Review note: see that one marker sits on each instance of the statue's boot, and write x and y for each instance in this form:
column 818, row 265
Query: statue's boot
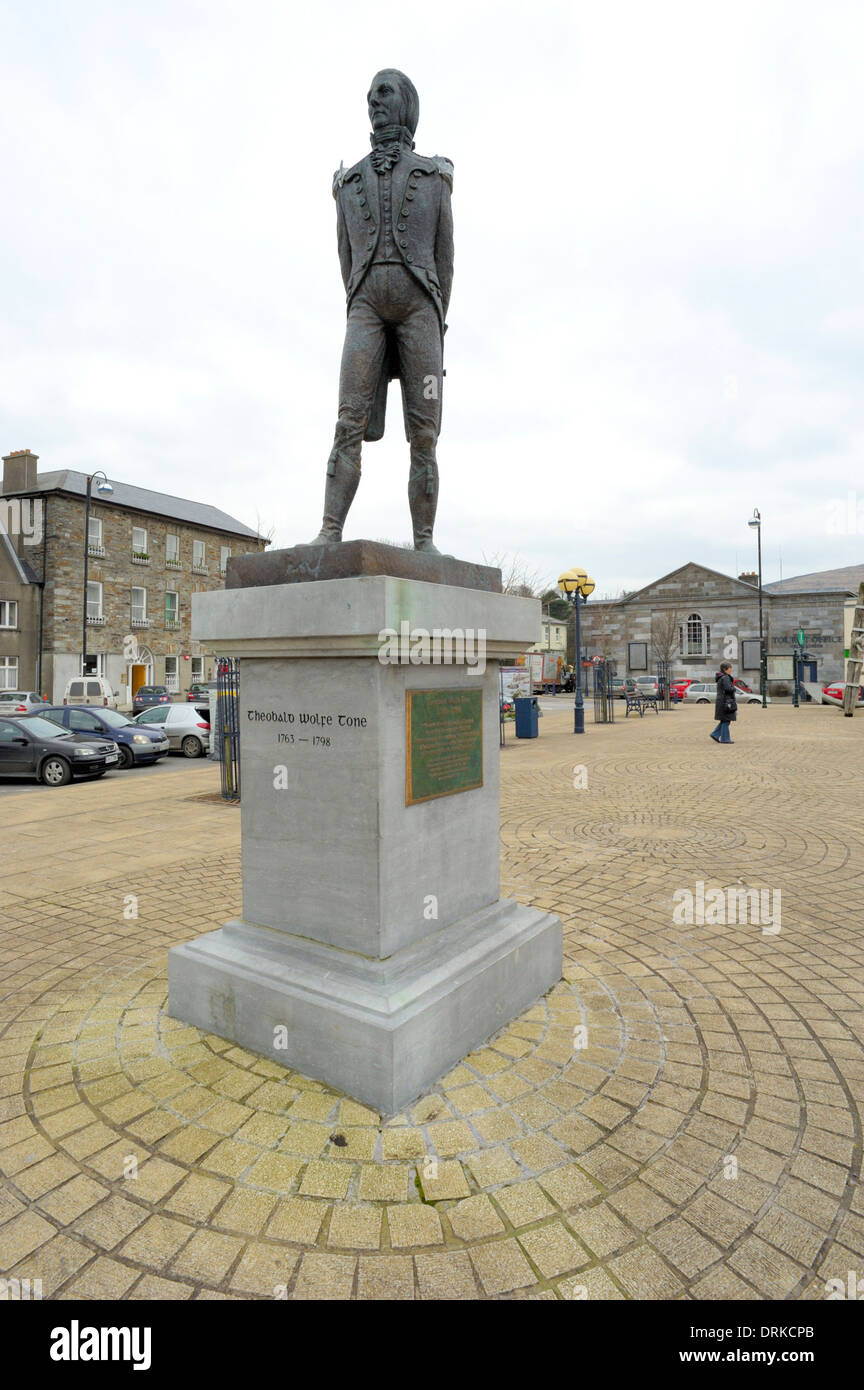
column 343, row 476
column 423, row 501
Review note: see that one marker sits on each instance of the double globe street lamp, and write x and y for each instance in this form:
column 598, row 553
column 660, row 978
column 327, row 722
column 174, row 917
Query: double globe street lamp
column 576, row 586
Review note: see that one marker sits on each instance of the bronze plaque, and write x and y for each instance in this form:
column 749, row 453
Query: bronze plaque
column 444, row 743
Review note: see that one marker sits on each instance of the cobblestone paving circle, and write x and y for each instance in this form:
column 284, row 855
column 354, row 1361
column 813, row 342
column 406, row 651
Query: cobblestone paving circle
column 680, row 1117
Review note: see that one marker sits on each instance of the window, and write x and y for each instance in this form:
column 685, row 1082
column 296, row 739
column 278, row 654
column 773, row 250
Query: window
column 694, row 636
column 171, row 608
column 199, row 555
column 171, row 678
column 8, row 672
column 94, row 601
column 95, row 665
column 139, row 540
column 157, row 715
column 139, row 606
column 94, row 536
column 8, row 613
column 224, row 557
column 172, row 549
column 84, row 722
column 197, row 669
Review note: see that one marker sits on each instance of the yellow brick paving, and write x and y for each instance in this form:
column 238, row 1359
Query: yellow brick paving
column 702, row 1139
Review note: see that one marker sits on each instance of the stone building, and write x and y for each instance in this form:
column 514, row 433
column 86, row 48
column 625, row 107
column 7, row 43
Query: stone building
column 553, row 635
column 696, row 617
column 20, row 605
column 147, row 553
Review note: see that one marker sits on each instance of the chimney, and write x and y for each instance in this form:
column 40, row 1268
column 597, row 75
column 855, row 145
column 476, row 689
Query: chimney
column 750, row 577
column 19, row 471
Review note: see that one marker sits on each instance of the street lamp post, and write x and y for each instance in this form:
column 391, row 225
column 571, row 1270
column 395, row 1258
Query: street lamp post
column 102, row 486
column 575, row 585
column 756, row 522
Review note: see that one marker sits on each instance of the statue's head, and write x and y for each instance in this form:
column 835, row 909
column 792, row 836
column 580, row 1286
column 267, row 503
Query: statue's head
column 393, row 100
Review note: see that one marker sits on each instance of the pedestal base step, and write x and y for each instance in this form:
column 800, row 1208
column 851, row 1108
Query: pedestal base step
column 383, row 1031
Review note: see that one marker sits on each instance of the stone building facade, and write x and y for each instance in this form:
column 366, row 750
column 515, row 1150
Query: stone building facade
column 20, row 605
column 697, row 617
column 147, row 554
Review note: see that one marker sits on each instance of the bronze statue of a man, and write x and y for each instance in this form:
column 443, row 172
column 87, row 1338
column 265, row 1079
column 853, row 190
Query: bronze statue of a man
column 395, row 236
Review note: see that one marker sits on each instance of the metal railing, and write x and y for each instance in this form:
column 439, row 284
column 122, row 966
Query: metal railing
column 225, row 725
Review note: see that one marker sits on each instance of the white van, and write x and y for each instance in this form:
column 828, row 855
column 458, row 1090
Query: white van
column 90, row 690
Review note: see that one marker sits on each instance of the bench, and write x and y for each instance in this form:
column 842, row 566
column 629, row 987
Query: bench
column 641, row 703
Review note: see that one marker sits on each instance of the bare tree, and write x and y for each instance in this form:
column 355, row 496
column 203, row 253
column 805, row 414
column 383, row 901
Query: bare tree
column 665, row 633
column 516, row 578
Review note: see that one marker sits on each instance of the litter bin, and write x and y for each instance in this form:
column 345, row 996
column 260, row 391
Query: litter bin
column 526, row 716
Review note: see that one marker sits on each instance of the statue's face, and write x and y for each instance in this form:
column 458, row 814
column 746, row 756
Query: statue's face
column 385, row 101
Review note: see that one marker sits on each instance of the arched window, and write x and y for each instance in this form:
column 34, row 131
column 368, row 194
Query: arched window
column 694, row 636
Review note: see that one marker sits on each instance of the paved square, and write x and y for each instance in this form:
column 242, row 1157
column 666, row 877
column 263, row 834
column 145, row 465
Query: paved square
column 680, row 1115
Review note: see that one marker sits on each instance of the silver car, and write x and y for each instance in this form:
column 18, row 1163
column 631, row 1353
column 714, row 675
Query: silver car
column 187, row 727
column 705, row 693
column 20, row 701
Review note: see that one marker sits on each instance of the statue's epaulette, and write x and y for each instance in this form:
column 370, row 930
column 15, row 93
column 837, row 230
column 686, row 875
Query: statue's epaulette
column 342, row 174
column 445, row 169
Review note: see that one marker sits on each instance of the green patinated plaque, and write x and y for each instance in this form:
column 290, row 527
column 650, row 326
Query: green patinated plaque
column 444, row 743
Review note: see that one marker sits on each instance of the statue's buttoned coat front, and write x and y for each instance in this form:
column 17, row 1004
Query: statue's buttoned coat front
column 422, row 230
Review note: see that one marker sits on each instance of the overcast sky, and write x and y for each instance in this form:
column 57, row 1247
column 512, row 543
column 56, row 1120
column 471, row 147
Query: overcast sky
column 657, row 317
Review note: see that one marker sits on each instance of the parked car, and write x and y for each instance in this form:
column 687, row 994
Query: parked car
column 623, row 685
column 33, row 746
column 136, row 746
column 680, row 686
column 199, row 692
column 146, row 696
column 90, row 690
column 20, row 701
column 647, row 685
column 833, row 694
column 187, row 727
column 705, row 693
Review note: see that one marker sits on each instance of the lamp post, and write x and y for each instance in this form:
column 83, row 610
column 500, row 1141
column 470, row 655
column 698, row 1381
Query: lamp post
column 575, row 585
column 756, row 522
column 102, row 486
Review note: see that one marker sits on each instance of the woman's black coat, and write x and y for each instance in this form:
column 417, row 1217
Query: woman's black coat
column 725, row 689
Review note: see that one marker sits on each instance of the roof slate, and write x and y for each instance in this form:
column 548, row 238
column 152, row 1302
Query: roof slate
column 143, row 500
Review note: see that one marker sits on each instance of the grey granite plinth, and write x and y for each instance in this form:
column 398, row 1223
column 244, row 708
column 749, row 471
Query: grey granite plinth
column 378, row 1029
column 350, row 559
column 374, row 950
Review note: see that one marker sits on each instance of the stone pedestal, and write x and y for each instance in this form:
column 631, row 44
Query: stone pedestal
column 373, row 950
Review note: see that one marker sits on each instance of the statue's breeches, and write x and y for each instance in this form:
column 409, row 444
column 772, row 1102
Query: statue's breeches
column 391, row 299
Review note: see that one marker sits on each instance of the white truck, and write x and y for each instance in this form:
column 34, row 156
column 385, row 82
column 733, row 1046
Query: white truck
column 547, row 670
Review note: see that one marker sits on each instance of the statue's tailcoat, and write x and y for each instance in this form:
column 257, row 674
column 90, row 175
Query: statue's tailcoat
column 421, row 235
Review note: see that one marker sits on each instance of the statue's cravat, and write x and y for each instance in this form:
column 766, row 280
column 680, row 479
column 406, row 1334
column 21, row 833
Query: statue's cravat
column 387, row 146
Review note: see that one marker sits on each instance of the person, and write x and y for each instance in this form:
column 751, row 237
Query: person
column 725, row 706
column 395, row 237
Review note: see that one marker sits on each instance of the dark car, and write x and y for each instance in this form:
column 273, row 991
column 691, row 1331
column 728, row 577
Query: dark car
column 146, row 696
column 199, row 692
column 32, row 746
column 136, row 745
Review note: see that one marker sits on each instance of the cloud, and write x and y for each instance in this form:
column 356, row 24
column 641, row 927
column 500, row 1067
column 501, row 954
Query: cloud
column 654, row 325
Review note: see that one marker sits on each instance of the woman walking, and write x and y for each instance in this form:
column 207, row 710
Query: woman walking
column 725, row 706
